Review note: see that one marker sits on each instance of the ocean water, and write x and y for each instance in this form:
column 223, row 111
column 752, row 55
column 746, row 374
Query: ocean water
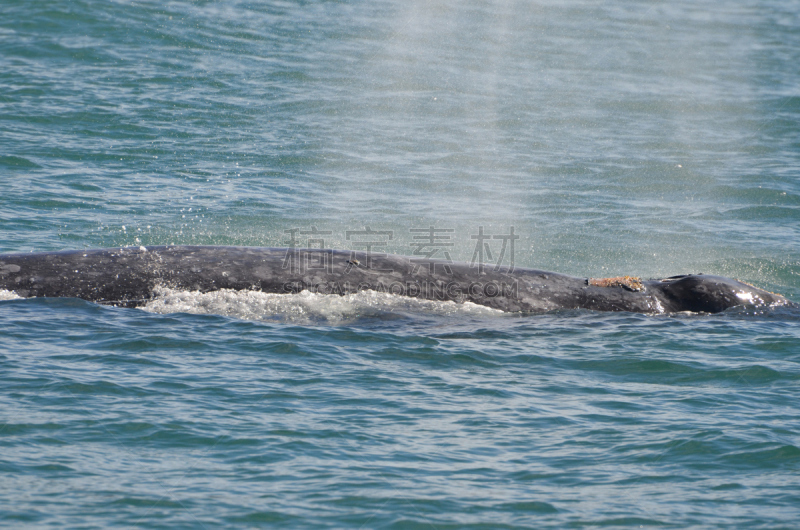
column 613, row 138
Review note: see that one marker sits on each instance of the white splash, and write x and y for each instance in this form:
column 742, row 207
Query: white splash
column 306, row 306
column 9, row 295
column 747, row 297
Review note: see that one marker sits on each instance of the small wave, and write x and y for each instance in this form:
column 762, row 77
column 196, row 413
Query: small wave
column 17, row 162
column 9, row 295
column 306, row 306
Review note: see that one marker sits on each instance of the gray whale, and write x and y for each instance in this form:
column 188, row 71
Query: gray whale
column 129, row 276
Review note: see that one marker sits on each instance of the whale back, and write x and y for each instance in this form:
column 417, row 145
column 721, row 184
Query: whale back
column 129, row 277
column 702, row 293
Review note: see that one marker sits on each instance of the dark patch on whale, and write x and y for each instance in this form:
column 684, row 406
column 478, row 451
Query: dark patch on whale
column 130, row 276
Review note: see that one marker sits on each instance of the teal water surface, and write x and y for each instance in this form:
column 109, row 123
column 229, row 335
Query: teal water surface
column 616, row 138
